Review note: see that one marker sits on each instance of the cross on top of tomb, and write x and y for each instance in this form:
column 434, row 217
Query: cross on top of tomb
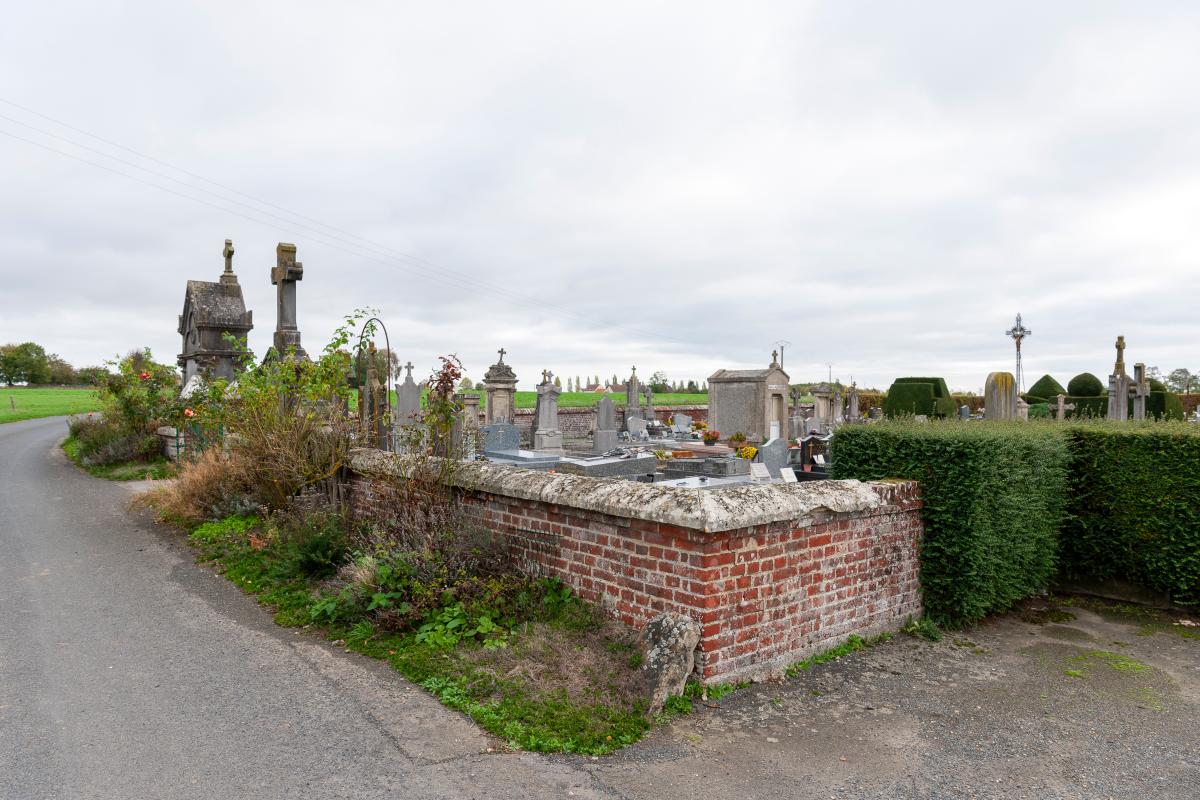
column 501, row 351
column 1119, row 367
column 774, row 358
column 228, row 253
column 409, row 367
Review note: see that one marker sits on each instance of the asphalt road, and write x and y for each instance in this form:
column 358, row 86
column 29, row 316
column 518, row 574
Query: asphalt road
column 127, row 671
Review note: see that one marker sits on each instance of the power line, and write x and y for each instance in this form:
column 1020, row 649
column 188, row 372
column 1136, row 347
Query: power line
column 426, row 268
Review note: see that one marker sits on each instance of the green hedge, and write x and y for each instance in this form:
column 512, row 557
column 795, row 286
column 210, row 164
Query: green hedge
column 1085, row 384
column 1089, row 407
column 1133, row 508
column 1047, row 388
column 928, row 396
column 993, row 500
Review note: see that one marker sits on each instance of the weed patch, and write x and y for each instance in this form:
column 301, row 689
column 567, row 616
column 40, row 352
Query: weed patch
column 852, row 645
column 526, row 659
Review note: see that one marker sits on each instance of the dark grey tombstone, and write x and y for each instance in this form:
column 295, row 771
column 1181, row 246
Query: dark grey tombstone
column 773, row 454
column 501, row 437
column 964, row 411
column 606, row 415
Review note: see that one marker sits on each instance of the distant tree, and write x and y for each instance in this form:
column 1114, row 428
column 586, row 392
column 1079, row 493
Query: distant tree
column 1153, row 374
column 578, row 384
column 558, row 381
column 614, row 380
column 692, row 387
column 467, row 385
column 91, row 376
column 60, row 372
column 659, row 382
column 1181, row 381
column 24, row 363
column 596, row 380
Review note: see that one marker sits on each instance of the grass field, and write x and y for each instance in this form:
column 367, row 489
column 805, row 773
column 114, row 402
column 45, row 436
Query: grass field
column 31, row 403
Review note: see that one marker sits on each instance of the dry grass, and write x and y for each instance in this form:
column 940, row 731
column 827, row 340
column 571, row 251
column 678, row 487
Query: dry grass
column 597, row 665
column 209, row 487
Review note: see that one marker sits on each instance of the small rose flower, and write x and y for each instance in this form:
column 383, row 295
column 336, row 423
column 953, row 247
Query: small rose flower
column 189, row 413
column 144, row 375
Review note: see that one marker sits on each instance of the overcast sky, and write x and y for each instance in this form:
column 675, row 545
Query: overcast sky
column 592, row 186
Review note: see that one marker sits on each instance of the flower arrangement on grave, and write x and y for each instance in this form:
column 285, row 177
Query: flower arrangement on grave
column 747, row 452
column 738, row 439
column 711, row 436
column 699, row 426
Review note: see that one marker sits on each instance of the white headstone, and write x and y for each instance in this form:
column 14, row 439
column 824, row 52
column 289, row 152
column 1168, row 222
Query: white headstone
column 788, row 475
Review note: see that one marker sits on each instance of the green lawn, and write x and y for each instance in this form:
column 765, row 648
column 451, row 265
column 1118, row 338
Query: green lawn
column 31, row 403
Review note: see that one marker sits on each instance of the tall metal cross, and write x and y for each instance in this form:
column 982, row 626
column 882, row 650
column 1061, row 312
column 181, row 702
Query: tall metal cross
column 1017, row 333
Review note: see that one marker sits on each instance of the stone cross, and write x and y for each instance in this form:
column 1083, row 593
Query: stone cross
column 1119, row 367
column 774, row 358
column 284, row 275
column 501, row 351
column 409, row 367
column 228, row 253
column 1064, row 407
column 1141, row 390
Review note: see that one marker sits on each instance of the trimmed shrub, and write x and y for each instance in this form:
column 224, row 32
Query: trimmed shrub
column 1134, row 506
column 993, row 499
column 1085, row 384
column 1046, row 388
column 910, row 396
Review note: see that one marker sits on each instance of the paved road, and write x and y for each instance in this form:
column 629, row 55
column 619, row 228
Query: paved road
column 126, row 671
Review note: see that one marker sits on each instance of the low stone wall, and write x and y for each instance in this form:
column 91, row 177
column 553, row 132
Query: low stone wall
column 772, row 573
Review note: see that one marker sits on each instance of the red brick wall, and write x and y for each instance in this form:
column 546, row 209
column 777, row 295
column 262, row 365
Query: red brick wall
column 765, row 596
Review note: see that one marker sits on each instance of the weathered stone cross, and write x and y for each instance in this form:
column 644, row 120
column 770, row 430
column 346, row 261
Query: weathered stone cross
column 502, row 351
column 228, row 253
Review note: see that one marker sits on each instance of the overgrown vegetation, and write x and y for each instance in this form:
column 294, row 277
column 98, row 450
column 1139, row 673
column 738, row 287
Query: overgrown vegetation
column 135, row 400
column 525, row 658
column 993, row 499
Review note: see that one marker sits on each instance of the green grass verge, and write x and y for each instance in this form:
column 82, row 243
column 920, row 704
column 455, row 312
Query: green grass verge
column 527, row 711
column 20, row 402
column 157, row 469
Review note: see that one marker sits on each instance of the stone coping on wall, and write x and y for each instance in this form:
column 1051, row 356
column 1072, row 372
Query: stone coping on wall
column 708, row 510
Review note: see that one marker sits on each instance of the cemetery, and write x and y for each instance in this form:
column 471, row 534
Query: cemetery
column 775, row 529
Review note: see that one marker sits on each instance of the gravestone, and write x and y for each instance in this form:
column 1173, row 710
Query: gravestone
column 853, row 414
column 681, row 423
column 1022, row 410
column 759, row 472
column 964, row 411
column 796, row 420
column 1141, row 390
column 1063, row 407
column 774, row 455
column 501, row 437
column 638, row 429
column 373, row 405
column 1119, row 385
column 875, row 413
column 1000, row 396
column 788, row 475
column 605, row 437
column 466, row 425
column 747, row 401
column 284, row 275
column 548, row 438
column 823, row 408
column 649, row 393
column 633, row 398
column 500, row 383
column 210, row 311
column 408, row 400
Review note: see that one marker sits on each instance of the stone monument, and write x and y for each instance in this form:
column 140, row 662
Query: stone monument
column 1000, row 396
column 605, row 437
column 500, row 383
column 748, row 400
column 547, row 437
column 633, row 397
column 1141, row 391
column 1119, row 385
column 286, row 272
column 210, row 311
column 853, row 414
